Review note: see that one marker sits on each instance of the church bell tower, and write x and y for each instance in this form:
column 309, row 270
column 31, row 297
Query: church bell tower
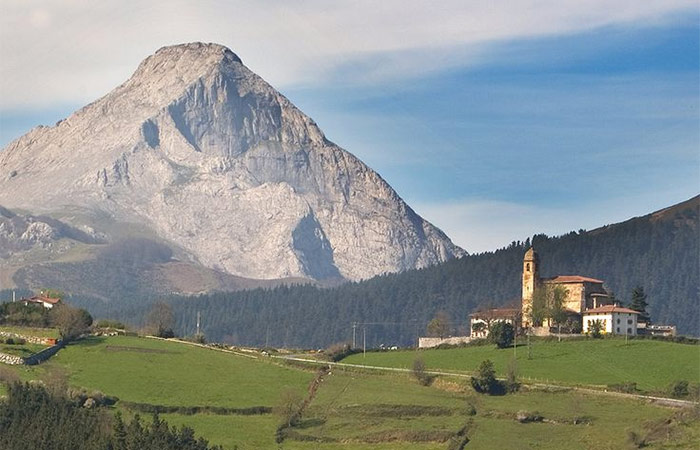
column 531, row 279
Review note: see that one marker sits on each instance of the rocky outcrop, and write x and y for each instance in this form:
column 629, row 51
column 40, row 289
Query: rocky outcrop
column 205, row 153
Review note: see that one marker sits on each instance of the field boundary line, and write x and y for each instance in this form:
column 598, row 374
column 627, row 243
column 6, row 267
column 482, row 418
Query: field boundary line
column 209, row 347
column 661, row 400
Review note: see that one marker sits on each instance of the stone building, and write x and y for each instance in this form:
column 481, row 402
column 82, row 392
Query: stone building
column 582, row 293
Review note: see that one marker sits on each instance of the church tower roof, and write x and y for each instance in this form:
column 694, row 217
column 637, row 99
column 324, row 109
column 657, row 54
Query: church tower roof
column 530, row 254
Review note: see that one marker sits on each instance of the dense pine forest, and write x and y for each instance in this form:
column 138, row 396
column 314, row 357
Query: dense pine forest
column 658, row 252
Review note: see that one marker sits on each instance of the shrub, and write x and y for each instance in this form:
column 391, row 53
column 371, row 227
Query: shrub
column 527, row 417
column 628, row 387
column 679, row 389
column 485, row 381
column 511, row 383
column 420, row 374
column 107, row 323
column 595, row 328
column 501, row 334
column 288, row 410
column 337, row 352
column 197, row 338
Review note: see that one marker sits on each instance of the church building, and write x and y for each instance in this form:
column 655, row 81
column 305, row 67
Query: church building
column 582, row 293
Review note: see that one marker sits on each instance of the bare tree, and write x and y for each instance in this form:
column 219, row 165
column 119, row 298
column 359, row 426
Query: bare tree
column 289, row 407
column 71, row 322
column 161, row 320
column 440, row 325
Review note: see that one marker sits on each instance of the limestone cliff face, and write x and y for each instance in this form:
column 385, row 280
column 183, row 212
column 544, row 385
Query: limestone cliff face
column 208, row 155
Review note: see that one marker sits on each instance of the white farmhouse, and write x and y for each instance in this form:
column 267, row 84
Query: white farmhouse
column 615, row 319
column 481, row 321
column 43, row 300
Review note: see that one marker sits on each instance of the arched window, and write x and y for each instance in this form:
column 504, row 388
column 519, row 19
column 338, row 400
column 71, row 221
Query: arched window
column 527, row 267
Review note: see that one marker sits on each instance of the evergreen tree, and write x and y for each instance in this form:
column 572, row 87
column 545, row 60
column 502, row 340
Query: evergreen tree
column 639, row 303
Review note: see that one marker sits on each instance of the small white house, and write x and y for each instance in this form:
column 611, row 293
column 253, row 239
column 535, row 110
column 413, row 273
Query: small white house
column 615, row 320
column 45, row 301
column 481, row 321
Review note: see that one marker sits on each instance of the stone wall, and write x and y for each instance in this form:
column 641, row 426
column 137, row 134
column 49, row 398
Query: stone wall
column 30, row 339
column 11, row 359
column 428, row 342
column 31, row 360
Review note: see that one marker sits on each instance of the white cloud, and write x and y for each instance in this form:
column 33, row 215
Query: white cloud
column 75, row 50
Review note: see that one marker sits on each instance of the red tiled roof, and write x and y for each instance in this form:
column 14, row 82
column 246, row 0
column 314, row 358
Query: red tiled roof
column 610, row 309
column 41, row 298
column 572, row 279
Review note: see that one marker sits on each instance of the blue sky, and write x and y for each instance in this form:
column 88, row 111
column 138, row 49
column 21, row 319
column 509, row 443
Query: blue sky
column 492, row 128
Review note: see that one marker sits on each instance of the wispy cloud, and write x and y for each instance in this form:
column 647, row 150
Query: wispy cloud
column 69, row 51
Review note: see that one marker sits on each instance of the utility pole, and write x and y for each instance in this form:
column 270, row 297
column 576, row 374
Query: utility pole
column 198, row 320
column 364, row 341
column 529, row 348
column 354, row 325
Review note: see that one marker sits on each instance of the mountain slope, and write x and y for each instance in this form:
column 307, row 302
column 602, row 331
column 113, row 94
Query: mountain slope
column 211, row 159
column 658, row 251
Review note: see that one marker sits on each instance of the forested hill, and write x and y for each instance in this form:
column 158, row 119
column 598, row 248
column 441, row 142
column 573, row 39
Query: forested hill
column 658, row 251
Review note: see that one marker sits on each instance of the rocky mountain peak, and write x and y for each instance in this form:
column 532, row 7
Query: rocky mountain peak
column 209, row 156
column 186, row 62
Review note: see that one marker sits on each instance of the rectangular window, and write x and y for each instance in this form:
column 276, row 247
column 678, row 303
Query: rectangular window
column 618, row 329
column 629, row 321
column 618, row 320
column 629, row 331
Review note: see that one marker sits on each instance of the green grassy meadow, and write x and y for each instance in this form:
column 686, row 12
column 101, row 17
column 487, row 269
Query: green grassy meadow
column 653, row 365
column 23, row 350
column 356, row 409
column 158, row 372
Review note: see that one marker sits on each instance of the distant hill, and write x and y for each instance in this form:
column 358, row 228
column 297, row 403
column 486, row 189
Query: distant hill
column 658, row 251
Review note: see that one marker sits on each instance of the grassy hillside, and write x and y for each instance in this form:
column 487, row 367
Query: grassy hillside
column 367, row 410
column 653, row 365
column 359, row 408
column 165, row 373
